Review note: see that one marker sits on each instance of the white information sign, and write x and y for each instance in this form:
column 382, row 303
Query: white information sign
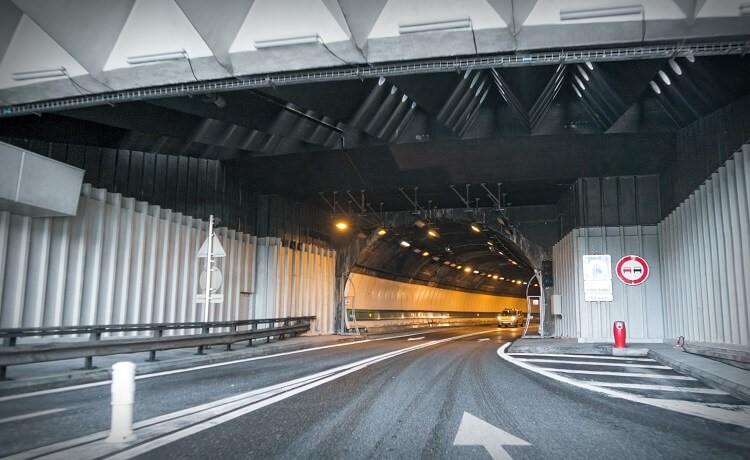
column 597, row 278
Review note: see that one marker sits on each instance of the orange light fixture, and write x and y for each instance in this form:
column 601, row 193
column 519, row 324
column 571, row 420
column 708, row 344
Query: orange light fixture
column 342, row 226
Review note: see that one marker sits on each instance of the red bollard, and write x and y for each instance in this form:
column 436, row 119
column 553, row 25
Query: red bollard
column 618, row 329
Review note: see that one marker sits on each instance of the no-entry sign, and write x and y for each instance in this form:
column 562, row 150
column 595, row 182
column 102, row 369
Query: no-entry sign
column 632, row 270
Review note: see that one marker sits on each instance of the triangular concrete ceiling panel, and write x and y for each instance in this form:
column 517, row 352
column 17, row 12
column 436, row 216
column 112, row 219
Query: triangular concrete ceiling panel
column 87, row 29
column 690, row 8
column 548, row 12
column 156, row 26
column 217, row 22
column 273, row 19
column 338, row 14
column 361, row 17
column 507, row 9
column 396, row 13
column 31, row 49
column 10, row 17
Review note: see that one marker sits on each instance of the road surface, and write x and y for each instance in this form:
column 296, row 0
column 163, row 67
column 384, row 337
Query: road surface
column 443, row 394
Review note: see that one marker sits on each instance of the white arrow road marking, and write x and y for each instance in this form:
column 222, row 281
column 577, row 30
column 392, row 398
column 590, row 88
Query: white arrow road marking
column 474, row 431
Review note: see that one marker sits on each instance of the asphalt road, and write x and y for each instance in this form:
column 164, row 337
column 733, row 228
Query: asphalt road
column 395, row 398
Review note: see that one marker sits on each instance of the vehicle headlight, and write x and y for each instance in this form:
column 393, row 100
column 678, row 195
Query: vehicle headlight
column 499, row 317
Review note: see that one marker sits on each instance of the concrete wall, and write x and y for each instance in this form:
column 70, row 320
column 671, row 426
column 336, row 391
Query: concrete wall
column 125, row 261
column 639, row 306
column 705, row 252
column 374, row 293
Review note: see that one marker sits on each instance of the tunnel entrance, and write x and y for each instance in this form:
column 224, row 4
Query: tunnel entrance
column 442, row 267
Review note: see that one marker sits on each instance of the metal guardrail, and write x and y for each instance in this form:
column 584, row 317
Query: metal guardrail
column 13, row 354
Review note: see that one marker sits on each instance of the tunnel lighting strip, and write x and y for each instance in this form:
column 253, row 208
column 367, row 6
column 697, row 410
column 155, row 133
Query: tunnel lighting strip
column 383, row 70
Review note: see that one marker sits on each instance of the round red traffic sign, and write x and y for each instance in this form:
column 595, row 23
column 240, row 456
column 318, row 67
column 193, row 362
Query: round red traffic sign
column 632, row 270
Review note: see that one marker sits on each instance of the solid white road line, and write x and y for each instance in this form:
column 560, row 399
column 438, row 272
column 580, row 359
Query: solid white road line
column 198, row 368
column 16, row 418
column 591, row 363
column 414, row 338
column 622, row 374
column 168, row 428
column 558, row 355
column 724, row 413
column 640, row 386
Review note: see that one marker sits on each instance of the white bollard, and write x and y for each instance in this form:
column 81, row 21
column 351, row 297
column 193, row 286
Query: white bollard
column 123, row 397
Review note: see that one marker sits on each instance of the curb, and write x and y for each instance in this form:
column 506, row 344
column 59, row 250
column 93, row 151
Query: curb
column 735, row 389
column 74, row 377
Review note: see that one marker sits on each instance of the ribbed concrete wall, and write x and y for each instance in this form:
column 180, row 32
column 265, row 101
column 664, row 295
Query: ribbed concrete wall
column 639, row 306
column 705, row 251
column 124, row 261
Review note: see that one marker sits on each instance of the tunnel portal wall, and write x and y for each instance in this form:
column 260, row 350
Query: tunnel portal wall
column 125, row 261
column 705, row 251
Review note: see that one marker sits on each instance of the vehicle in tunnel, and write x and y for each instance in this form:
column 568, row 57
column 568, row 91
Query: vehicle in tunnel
column 511, row 318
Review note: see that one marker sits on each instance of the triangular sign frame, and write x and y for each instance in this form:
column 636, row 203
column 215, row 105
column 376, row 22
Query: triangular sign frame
column 217, row 248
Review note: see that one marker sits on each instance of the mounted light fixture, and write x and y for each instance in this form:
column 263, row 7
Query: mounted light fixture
column 514, row 262
column 690, row 56
column 675, row 67
column 578, row 93
column 288, row 41
column 39, row 74
column 432, row 233
column 341, row 225
column 425, row 253
column 475, row 227
column 404, row 244
column 583, row 73
column 382, row 231
column 420, row 223
column 589, row 65
column 580, row 83
column 665, row 78
column 458, row 267
column 416, row 250
column 455, row 24
column 476, row 272
column 654, row 87
column 453, row 265
column 570, row 14
column 494, row 277
column 157, row 57
column 467, row 269
column 436, row 258
column 447, row 262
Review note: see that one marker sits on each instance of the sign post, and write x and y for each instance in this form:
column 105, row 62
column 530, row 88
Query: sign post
column 210, row 281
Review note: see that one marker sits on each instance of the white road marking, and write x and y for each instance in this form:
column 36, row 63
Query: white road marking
column 724, row 413
column 414, row 338
column 16, row 418
column 484, row 339
column 590, row 363
column 162, row 430
column 640, row 386
column 556, row 355
column 198, row 368
column 474, row 431
column 622, row 374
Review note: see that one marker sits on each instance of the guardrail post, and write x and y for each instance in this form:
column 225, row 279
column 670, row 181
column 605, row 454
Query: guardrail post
column 9, row 341
column 88, row 361
column 123, row 397
column 159, row 332
column 233, row 328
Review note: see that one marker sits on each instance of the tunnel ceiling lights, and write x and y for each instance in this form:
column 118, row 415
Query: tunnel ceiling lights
column 476, row 272
column 288, row 41
column 420, row 223
column 467, row 269
column 432, row 233
column 654, row 87
column 665, row 78
column 453, row 24
column 417, row 251
column 382, row 232
column 675, row 67
column 404, row 244
column 157, row 57
column 447, row 262
column 39, row 74
column 476, row 227
column 589, row 65
column 458, row 267
column 342, row 225
column 425, row 253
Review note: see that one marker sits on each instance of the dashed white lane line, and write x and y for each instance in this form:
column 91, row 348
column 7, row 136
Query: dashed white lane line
column 483, row 340
column 640, row 386
column 410, row 339
column 622, row 374
column 555, row 355
column 198, row 368
column 16, row 418
column 724, row 413
column 591, row 363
